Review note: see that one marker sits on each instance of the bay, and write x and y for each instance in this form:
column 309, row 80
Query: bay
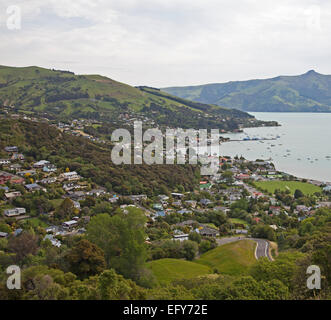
column 302, row 146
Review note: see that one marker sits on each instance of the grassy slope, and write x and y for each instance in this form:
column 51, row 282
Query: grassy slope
column 308, row 92
column 167, row 270
column 233, row 258
column 271, row 186
column 29, row 89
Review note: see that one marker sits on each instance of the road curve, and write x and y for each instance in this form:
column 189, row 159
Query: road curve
column 262, row 245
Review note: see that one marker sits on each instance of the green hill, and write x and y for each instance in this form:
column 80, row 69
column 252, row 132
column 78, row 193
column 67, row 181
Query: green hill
column 310, row 92
column 168, row 270
column 233, row 258
column 41, row 141
column 63, row 95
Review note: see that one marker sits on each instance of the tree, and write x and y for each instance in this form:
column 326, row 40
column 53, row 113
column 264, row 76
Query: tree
column 298, row 194
column 23, row 245
column 194, row 236
column 190, row 249
column 122, row 238
column 86, row 259
column 65, row 210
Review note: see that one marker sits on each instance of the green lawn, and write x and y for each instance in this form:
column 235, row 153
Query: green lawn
column 56, row 202
column 272, row 186
column 239, row 221
column 232, row 258
column 167, row 270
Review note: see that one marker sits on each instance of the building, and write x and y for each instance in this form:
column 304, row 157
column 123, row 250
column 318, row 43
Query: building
column 14, row 212
column 4, row 161
column 69, row 225
column 208, row 232
column 12, row 195
column 11, row 149
column 33, row 187
column 40, row 164
column 71, row 176
column 31, row 172
column 49, row 168
column 180, row 237
column 3, row 234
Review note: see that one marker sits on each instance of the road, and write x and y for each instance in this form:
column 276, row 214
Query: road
column 262, row 246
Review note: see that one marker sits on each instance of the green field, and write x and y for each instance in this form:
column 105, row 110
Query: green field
column 238, row 221
column 272, row 186
column 233, row 258
column 167, row 270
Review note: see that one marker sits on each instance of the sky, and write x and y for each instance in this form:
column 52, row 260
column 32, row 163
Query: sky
column 163, row 43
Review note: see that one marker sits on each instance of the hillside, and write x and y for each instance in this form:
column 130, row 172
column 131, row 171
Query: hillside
column 62, row 95
column 168, row 270
column 232, row 258
column 41, row 141
column 310, row 92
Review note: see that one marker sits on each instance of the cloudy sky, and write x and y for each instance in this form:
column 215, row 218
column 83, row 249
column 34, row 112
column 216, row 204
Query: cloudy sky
column 169, row 42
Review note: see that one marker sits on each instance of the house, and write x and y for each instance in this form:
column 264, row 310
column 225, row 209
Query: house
column 114, row 199
column 71, row 176
column 183, row 211
column 49, row 168
column 96, row 192
column 17, row 156
column 191, row 203
column 273, row 226
column 180, row 237
column 4, row 161
column 160, row 214
column 48, row 180
column 55, row 242
column 69, row 225
column 163, row 197
column 157, row 206
column 33, row 187
column 242, row 176
column 7, row 177
column 15, row 167
column 14, row 212
column 40, row 164
column 139, row 197
column 11, row 149
column 208, row 232
column 76, row 205
column 205, row 202
column 77, row 196
column 325, row 189
column 3, row 234
column 31, row 172
column 241, row 231
column 177, row 195
column 12, row 195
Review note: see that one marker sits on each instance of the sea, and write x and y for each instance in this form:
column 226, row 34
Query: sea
column 301, row 146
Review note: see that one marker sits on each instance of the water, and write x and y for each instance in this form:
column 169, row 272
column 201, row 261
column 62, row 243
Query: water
column 302, row 148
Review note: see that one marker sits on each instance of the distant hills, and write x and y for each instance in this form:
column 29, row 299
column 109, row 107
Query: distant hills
column 310, row 92
column 63, row 95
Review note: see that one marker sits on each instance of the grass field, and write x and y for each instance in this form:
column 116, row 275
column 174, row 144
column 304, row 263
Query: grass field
column 238, row 221
column 167, row 270
column 272, row 186
column 233, row 258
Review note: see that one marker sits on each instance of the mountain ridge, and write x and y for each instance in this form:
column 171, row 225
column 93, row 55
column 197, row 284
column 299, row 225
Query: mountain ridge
column 63, row 95
column 309, row 92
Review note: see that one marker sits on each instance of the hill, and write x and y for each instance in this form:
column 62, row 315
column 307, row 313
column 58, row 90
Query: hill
column 310, row 92
column 233, row 258
column 41, row 141
column 62, row 95
column 168, row 270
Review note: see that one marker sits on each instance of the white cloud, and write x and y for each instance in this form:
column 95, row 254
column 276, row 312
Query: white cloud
column 173, row 42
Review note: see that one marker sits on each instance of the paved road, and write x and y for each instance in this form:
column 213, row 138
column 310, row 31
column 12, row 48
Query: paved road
column 262, row 248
